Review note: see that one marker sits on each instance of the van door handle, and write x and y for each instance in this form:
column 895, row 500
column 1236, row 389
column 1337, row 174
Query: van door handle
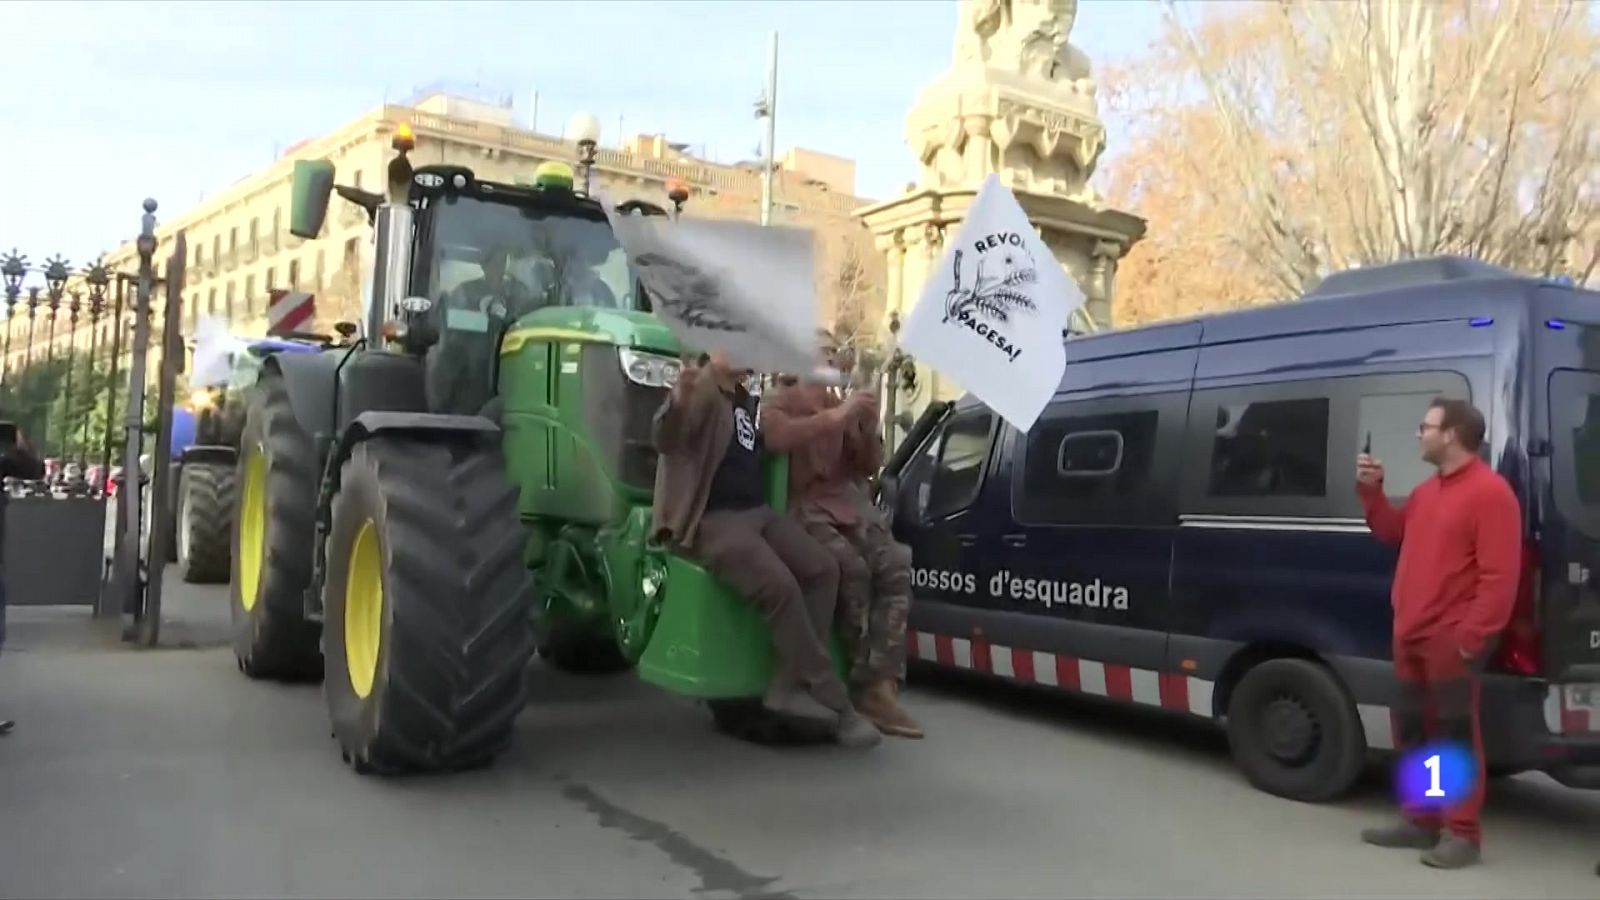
column 1015, row 540
column 967, row 540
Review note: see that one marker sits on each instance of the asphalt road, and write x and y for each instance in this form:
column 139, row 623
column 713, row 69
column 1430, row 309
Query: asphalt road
column 166, row 773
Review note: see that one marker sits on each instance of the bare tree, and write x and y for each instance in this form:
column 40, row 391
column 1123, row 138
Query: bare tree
column 1328, row 135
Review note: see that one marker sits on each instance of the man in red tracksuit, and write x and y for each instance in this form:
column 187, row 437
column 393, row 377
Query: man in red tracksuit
column 1460, row 537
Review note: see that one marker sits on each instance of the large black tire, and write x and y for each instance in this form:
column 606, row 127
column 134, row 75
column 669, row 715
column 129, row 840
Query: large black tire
column 426, row 603
column 1294, row 731
column 204, row 529
column 273, row 534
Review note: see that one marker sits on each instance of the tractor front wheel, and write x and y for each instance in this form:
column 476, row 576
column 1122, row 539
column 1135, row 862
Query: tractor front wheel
column 426, row 604
column 272, row 540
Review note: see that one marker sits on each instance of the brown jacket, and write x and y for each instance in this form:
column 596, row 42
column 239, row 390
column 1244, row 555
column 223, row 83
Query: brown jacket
column 692, row 436
column 823, row 474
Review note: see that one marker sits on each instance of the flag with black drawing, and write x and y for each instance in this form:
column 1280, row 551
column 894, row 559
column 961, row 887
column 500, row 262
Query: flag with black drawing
column 745, row 290
column 995, row 309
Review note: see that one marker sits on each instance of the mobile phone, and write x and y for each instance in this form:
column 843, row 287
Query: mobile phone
column 8, row 434
column 1367, row 447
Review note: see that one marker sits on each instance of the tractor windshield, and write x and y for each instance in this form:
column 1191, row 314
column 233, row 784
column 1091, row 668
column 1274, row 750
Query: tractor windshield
column 526, row 259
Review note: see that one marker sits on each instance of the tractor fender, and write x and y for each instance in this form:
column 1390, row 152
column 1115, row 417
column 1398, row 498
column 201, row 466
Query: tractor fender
column 208, row 454
column 309, row 379
column 376, row 422
column 361, row 428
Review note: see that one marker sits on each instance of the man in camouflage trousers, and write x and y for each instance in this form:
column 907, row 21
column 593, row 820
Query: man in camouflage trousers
column 828, row 492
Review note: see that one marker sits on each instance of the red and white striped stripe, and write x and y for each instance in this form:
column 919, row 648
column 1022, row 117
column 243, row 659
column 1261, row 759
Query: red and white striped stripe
column 287, row 311
column 1174, row 691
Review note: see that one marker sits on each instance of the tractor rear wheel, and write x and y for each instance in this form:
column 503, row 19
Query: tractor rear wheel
column 426, row 604
column 272, row 541
column 204, row 522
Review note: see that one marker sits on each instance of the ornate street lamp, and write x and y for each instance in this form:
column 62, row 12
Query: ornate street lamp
column 56, row 274
column 97, row 278
column 72, row 348
column 13, row 269
column 33, row 310
column 585, row 130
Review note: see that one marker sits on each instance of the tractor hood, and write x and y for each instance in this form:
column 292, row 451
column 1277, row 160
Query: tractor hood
column 623, row 328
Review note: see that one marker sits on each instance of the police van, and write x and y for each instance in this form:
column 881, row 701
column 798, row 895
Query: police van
column 1180, row 529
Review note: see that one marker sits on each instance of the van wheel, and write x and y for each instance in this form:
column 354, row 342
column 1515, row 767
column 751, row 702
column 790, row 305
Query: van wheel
column 1294, row 731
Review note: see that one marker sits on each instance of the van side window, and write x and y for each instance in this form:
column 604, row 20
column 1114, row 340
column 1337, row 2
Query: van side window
column 957, row 473
column 1087, row 469
column 1276, row 448
column 1391, row 420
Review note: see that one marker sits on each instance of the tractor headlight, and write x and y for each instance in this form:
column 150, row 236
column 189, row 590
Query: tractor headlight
column 653, row 577
column 649, row 369
column 202, row 399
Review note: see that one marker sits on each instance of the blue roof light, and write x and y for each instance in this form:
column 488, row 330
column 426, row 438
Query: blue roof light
column 1555, row 324
column 1481, row 322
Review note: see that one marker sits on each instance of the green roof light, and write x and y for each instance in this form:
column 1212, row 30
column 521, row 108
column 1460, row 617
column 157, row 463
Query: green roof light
column 553, row 175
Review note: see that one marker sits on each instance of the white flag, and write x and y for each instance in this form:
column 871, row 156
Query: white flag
column 744, row 290
column 995, row 310
column 214, row 349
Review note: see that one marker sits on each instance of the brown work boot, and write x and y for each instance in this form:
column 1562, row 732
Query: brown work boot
column 880, row 702
column 856, row 732
column 795, row 703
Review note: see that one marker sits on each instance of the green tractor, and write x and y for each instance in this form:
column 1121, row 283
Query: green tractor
column 470, row 481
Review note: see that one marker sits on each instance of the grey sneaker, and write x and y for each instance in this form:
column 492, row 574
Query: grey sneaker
column 798, row 705
column 1452, row 852
column 1405, row 836
column 857, row 732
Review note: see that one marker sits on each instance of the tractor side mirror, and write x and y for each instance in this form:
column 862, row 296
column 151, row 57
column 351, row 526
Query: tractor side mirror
column 308, row 204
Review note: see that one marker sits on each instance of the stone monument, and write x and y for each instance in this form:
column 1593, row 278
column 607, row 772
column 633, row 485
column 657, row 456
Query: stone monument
column 1019, row 102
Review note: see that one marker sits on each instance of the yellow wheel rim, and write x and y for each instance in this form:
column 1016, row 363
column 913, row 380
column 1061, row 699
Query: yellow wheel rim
column 252, row 527
column 363, row 610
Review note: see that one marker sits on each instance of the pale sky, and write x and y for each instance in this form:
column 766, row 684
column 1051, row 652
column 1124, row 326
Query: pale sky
column 103, row 104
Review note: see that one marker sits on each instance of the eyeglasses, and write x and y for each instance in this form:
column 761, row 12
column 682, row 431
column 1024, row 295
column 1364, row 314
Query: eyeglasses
column 1425, row 427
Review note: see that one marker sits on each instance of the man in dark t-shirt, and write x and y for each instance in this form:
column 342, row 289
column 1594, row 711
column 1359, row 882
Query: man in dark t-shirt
column 710, row 504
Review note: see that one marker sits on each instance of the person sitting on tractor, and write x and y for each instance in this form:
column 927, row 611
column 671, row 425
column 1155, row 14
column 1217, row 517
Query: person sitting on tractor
column 828, row 491
column 710, row 505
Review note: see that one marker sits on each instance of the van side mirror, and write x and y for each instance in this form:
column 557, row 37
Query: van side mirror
column 308, row 203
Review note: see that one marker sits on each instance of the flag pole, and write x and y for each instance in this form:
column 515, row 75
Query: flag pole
column 771, row 110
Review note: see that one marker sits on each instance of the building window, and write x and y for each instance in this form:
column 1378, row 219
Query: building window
column 211, row 303
column 294, row 275
column 272, row 278
column 249, row 293
column 255, row 241
column 1276, row 448
column 216, row 249
column 277, row 223
column 228, row 310
column 318, row 283
column 358, row 179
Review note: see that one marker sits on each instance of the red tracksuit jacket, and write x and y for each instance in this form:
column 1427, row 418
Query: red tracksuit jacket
column 1460, row 538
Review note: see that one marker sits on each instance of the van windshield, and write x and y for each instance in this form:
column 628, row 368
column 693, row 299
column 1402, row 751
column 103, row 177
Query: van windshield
column 1575, row 432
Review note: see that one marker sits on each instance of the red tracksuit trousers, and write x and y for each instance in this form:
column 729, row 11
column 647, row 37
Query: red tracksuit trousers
column 1439, row 700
